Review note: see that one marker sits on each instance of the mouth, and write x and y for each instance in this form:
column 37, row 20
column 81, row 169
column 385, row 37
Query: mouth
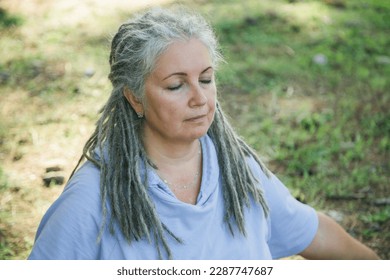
column 197, row 118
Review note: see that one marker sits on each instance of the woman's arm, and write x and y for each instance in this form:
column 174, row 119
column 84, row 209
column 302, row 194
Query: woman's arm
column 333, row 242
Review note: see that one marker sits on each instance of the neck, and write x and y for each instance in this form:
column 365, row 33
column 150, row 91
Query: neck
column 179, row 165
column 171, row 153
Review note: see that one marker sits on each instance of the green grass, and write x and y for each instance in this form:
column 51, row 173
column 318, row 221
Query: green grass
column 271, row 52
column 324, row 128
column 3, row 181
column 334, row 155
column 7, row 20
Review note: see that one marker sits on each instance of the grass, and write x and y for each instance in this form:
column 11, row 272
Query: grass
column 332, row 146
column 7, row 20
column 306, row 84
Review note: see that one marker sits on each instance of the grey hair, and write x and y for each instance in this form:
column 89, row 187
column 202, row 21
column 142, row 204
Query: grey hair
column 140, row 41
column 118, row 134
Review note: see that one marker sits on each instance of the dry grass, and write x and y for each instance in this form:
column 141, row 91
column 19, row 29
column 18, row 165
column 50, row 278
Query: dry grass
column 48, row 115
column 58, row 64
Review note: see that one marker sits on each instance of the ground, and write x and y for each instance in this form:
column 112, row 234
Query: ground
column 49, row 104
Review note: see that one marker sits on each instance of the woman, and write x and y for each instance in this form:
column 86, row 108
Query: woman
column 166, row 177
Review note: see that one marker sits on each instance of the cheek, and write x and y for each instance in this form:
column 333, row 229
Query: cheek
column 160, row 107
column 170, row 111
column 212, row 107
column 212, row 100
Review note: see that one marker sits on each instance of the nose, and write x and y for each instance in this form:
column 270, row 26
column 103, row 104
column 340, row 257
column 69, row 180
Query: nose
column 198, row 96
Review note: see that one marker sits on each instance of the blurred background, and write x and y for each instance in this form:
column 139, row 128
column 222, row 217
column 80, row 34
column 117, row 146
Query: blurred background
column 306, row 84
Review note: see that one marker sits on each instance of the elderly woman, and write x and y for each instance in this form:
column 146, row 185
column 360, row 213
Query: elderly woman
column 165, row 175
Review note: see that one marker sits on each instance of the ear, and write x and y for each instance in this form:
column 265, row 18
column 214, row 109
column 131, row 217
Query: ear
column 135, row 103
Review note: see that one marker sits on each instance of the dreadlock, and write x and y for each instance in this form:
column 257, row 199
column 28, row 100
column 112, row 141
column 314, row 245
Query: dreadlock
column 118, row 134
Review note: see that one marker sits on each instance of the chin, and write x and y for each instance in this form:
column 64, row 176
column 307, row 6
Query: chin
column 198, row 134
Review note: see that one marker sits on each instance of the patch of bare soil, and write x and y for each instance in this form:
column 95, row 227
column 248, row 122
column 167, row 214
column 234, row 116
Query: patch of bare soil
column 44, row 135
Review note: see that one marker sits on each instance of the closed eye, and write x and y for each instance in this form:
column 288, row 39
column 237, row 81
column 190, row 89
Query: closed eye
column 205, row 81
column 173, row 88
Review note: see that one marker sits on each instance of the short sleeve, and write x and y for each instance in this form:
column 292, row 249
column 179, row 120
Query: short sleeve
column 292, row 224
column 70, row 227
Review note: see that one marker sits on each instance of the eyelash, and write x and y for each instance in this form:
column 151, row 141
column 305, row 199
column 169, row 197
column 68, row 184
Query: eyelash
column 174, row 88
column 206, row 82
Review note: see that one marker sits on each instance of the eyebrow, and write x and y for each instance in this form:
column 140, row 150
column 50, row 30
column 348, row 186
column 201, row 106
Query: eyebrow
column 185, row 74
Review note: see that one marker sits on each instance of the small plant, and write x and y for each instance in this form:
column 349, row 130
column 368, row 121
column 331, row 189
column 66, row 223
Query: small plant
column 7, row 20
column 3, row 181
column 381, row 216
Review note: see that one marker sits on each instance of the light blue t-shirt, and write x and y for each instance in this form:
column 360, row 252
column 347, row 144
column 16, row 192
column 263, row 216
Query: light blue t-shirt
column 70, row 227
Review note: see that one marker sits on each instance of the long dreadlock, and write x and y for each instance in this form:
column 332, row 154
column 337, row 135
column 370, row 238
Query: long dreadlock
column 118, row 134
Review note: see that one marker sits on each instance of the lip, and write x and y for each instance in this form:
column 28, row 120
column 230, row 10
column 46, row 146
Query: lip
column 196, row 118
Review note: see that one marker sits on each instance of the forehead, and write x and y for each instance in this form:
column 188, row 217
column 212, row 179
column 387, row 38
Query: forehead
column 183, row 56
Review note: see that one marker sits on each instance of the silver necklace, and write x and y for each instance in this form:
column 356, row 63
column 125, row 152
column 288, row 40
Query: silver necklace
column 183, row 187
column 186, row 186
